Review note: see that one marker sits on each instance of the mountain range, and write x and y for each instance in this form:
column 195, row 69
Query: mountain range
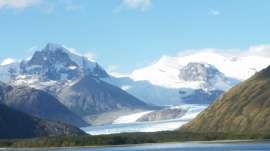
column 57, row 88
column 73, row 85
column 54, row 66
column 195, row 83
column 205, row 74
column 62, row 83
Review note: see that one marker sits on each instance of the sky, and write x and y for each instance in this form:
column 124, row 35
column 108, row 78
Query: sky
column 127, row 34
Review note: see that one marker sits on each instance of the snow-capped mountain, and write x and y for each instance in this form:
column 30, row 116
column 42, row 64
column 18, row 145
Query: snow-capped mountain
column 195, row 83
column 191, row 78
column 9, row 71
column 55, row 62
column 204, row 76
column 73, row 80
column 239, row 67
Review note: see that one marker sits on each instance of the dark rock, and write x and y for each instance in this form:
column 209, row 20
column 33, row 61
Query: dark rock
column 15, row 124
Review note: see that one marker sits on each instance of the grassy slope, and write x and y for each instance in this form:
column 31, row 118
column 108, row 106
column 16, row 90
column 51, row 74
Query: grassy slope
column 245, row 109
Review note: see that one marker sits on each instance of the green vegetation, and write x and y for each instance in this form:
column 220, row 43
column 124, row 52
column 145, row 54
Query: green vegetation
column 122, row 139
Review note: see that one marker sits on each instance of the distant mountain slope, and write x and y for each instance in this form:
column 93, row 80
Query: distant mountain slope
column 195, row 83
column 243, row 109
column 15, row 124
column 200, row 77
column 37, row 103
column 90, row 96
column 167, row 67
column 158, row 95
column 195, row 75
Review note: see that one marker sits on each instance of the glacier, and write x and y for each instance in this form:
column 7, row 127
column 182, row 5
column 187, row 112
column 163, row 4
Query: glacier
column 120, row 126
column 131, row 118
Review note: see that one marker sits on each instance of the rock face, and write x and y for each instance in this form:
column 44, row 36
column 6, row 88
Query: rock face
column 91, row 96
column 209, row 77
column 15, row 124
column 200, row 96
column 55, row 62
column 164, row 114
column 243, row 109
column 38, row 103
column 198, row 72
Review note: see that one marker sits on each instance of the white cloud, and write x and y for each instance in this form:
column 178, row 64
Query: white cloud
column 18, row 4
column 141, row 5
column 255, row 50
column 7, row 61
column 259, row 50
column 214, row 12
column 43, row 5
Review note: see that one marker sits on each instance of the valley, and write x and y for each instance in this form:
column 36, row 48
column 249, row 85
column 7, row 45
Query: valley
column 134, row 75
column 83, row 87
column 57, row 85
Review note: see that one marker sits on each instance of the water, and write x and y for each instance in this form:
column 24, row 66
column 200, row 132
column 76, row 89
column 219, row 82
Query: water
column 173, row 147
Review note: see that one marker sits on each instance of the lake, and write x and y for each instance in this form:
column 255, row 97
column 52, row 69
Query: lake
column 173, row 147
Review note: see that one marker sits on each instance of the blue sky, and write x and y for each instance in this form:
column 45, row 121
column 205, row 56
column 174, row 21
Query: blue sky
column 131, row 33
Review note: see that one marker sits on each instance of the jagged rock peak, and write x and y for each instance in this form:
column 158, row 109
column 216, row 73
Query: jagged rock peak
column 198, row 72
column 53, row 47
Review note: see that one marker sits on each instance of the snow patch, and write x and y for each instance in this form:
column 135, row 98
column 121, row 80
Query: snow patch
column 7, row 61
column 131, row 118
column 25, row 80
column 72, row 67
column 125, row 87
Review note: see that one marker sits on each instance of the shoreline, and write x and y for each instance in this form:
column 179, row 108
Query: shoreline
column 247, row 141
